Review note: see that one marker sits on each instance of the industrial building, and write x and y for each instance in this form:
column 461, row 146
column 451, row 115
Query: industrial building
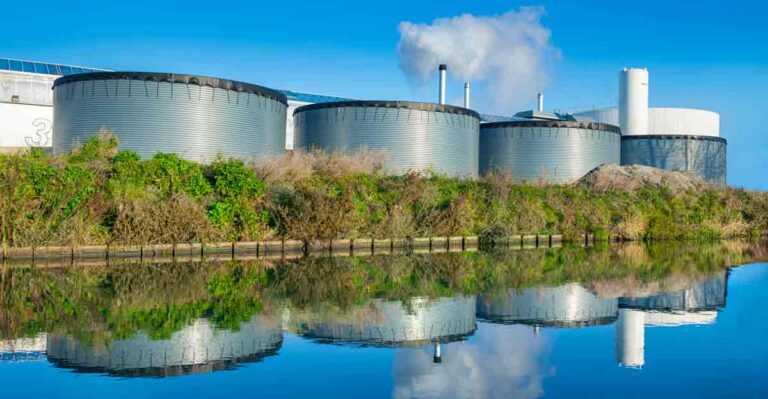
column 414, row 136
column 195, row 117
column 667, row 138
column 26, row 102
column 200, row 117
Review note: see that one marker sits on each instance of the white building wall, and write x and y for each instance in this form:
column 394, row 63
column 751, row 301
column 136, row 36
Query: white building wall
column 25, row 125
column 26, row 110
column 681, row 121
column 292, row 105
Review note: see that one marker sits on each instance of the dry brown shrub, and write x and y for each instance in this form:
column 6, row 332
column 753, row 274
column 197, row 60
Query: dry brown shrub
column 300, row 165
column 311, row 213
column 177, row 220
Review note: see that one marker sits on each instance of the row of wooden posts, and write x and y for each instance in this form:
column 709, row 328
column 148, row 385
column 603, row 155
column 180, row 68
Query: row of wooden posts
column 278, row 248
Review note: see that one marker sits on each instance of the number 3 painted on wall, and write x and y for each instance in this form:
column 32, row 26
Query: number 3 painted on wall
column 42, row 136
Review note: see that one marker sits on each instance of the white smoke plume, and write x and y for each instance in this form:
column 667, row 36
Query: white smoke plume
column 511, row 54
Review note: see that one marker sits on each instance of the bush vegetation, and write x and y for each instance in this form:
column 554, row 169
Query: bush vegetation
column 99, row 195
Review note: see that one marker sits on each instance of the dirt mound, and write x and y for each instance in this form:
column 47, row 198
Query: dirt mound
column 633, row 177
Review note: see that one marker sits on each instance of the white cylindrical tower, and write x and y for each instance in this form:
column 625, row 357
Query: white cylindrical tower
column 466, row 95
column 540, row 107
column 630, row 338
column 441, row 96
column 633, row 101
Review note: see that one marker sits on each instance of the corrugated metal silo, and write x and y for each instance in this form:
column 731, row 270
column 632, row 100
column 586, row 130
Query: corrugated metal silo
column 195, row 117
column 556, row 151
column 703, row 155
column 415, row 136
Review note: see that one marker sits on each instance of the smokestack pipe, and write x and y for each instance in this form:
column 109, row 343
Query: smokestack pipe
column 541, row 102
column 443, row 69
column 466, row 95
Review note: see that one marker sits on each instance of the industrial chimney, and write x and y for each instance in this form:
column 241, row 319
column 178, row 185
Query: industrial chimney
column 540, row 107
column 633, row 101
column 441, row 98
column 466, row 95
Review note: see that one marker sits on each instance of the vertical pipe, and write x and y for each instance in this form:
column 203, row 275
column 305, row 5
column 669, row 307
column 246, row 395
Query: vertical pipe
column 466, row 95
column 441, row 98
column 540, row 107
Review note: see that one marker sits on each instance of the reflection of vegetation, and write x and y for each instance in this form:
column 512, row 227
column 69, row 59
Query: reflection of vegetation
column 98, row 195
column 105, row 303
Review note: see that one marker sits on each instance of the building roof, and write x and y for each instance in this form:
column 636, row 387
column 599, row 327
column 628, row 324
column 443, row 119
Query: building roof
column 10, row 64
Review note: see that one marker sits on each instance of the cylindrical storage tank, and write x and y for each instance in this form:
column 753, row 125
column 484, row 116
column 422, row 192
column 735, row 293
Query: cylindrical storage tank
column 194, row 117
column 633, row 101
column 703, row 155
column 415, row 136
column 555, row 151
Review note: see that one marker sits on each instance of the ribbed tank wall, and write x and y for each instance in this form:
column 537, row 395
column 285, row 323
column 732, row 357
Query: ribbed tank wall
column 555, row 154
column 195, row 121
column 413, row 139
column 703, row 155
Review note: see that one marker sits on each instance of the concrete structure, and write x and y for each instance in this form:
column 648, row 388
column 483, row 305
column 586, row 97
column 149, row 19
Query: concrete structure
column 393, row 323
column 557, row 151
column 663, row 121
column 415, row 136
column 192, row 116
column 569, row 305
column 196, row 348
column 633, row 101
column 26, row 102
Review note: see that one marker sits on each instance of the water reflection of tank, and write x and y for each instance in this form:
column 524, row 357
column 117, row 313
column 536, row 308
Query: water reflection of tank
column 708, row 294
column 394, row 323
column 697, row 305
column 569, row 305
column 23, row 349
column 197, row 348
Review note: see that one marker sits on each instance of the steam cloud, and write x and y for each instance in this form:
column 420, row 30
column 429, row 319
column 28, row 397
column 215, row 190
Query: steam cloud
column 511, row 54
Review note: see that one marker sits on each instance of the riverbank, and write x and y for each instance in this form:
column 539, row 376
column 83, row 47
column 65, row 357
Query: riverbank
column 99, row 196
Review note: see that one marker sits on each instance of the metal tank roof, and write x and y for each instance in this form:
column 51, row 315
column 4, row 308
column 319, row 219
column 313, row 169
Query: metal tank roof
column 554, row 123
column 217, row 83
column 418, row 106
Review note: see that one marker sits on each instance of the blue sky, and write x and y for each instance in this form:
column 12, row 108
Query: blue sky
column 699, row 55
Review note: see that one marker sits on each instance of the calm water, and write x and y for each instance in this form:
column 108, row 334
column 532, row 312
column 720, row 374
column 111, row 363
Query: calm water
column 630, row 321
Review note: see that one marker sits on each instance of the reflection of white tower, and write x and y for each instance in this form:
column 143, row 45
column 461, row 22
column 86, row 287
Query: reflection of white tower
column 437, row 357
column 630, row 338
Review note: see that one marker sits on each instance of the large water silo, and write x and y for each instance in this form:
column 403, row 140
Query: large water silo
column 195, row 117
column 414, row 136
column 553, row 150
